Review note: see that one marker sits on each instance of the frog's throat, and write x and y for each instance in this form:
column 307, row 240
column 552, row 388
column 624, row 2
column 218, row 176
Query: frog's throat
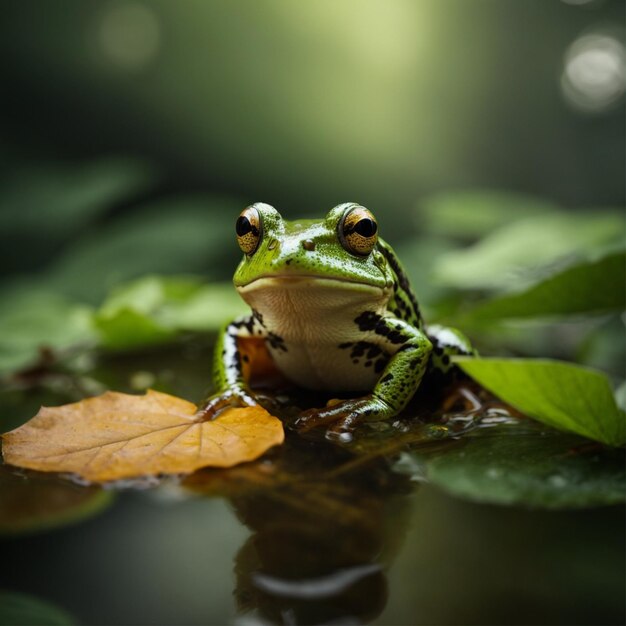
column 313, row 282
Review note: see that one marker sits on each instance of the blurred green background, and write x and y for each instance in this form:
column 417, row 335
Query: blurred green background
column 300, row 105
column 487, row 136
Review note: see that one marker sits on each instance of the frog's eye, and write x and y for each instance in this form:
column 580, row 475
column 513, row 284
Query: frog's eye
column 248, row 230
column 358, row 231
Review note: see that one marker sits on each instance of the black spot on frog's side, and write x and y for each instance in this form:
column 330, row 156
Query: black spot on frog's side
column 276, row 342
column 366, row 351
column 258, row 317
column 247, row 323
column 395, row 336
column 412, row 311
column 368, row 321
column 380, row 364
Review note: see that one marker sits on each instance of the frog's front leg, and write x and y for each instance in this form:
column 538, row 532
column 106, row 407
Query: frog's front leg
column 228, row 376
column 410, row 349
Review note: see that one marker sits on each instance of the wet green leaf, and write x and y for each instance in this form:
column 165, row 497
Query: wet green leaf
column 35, row 502
column 562, row 395
column 154, row 309
column 473, row 213
column 19, row 609
column 597, row 286
column 519, row 253
column 507, row 466
column 33, row 320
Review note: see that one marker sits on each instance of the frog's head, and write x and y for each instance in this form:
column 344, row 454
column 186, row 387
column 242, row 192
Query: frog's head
column 342, row 248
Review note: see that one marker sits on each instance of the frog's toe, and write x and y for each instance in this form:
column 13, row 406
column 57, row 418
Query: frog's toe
column 220, row 402
column 342, row 418
column 342, row 430
column 210, row 410
column 314, row 418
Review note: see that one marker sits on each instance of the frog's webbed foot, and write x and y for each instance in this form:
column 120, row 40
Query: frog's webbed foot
column 342, row 418
column 235, row 397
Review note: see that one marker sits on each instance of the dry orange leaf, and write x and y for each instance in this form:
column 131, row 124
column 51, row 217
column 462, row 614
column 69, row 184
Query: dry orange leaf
column 117, row 435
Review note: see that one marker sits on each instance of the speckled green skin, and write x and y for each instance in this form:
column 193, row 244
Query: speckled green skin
column 281, row 252
column 386, row 341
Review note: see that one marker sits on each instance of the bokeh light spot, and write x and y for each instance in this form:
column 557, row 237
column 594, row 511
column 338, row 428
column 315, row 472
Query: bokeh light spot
column 582, row 2
column 593, row 76
column 130, row 35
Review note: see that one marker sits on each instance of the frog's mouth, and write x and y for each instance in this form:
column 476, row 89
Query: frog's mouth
column 310, row 299
column 312, row 281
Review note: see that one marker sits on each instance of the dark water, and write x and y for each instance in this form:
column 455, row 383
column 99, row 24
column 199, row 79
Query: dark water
column 308, row 536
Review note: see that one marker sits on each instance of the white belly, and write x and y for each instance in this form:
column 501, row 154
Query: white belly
column 313, row 317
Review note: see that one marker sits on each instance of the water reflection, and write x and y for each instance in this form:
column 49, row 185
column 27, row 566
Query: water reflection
column 321, row 538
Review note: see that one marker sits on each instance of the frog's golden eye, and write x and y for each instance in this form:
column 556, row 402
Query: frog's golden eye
column 358, row 231
column 248, row 230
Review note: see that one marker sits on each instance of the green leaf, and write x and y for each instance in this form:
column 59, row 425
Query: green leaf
column 185, row 235
column 19, row 609
column 509, row 465
column 418, row 256
column 562, row 395
column 597, row 286
column 473, row 213
column 155, row 309
column 602, row 347
column 131, row 329
column 519, row 253
column 207, row 310
column 620, row 396
column 32, row 320
column 47, row 205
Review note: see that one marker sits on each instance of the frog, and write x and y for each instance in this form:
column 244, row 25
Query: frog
column 334, row 307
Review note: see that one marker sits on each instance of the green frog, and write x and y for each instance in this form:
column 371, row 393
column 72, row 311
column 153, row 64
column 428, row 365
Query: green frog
column 335, row 310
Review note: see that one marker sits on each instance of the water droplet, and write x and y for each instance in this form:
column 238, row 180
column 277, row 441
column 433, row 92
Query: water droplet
column 142, row 380
column 494, row 472
column 437, row 432
column 557, row 481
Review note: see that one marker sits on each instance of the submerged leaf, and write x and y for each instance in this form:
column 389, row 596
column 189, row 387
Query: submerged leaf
column 562, row 395
column 19, row 609
column 38, row 502
column 532, row 468
column 35, row 320
column 117, row 435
